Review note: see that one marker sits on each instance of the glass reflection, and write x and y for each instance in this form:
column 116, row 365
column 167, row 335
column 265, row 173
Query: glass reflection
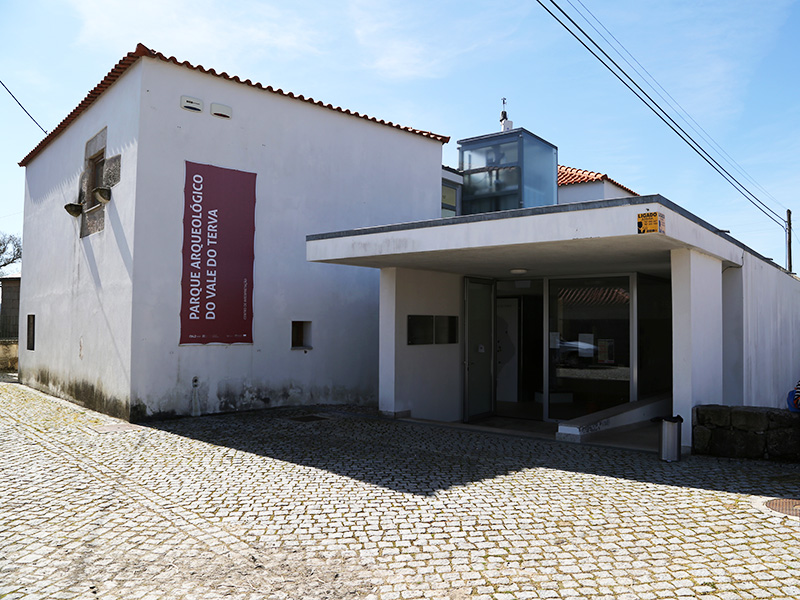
column 589, row 345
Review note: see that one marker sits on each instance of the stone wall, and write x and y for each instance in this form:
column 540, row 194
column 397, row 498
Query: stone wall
column 746, row 432
column 8, row 355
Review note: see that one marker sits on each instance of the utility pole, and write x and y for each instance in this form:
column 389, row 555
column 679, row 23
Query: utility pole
column 789, row 238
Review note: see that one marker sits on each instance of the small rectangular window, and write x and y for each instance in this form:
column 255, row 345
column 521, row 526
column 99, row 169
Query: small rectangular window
column 420, row 329
column 446, row 330
column 31, row 331
column 449, row 201
column 301, row 335
column 98, row 163
column 95, row 174
column 430, row 329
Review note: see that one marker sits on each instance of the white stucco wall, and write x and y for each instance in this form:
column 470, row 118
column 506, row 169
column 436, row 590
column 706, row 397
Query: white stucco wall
column 697, row 333
column 79, row 289
column 733, row 335
column 771, row 340
column 421, row 381
column 594, row 190
column 317, row 170
column 600, row 225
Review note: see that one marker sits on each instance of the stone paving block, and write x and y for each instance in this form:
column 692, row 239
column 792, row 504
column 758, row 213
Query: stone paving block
column 257, row 506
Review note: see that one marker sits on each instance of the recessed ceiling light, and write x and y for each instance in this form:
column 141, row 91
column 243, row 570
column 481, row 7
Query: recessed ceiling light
column 518, row 271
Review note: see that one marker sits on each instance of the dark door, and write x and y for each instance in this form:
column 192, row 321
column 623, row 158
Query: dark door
column 479, row 352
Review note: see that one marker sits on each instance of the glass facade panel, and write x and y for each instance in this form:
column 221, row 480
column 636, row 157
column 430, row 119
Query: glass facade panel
column 479, row 345
column 540, row 173
column 501, row 180
column 589, row 345
column 506, row 171
column 491, row 189
column 449, row 201
column 490, row 155
column 579, row 349
column 655, row 336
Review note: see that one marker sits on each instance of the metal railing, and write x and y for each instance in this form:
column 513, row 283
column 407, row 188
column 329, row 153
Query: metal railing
column 9, row 327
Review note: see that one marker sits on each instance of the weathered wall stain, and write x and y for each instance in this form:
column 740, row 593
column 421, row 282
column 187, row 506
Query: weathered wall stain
column 236, row 395
column 83, row 393
column 233, row 395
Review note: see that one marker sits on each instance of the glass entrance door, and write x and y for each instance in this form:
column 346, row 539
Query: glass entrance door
column 519, row 344
column 479, row 353
column 553, row 350
column 589, row 345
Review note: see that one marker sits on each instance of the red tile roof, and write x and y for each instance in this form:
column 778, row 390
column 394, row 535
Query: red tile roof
column 143, row 51
column 570, row 175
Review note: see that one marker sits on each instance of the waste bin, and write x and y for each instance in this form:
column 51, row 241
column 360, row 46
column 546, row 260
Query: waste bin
column 670, row 446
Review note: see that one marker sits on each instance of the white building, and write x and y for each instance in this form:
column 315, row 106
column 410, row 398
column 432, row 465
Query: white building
column 596, row 314
column 188, row 273
column 106, row 300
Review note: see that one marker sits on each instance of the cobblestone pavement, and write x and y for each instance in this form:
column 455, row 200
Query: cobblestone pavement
column 262, row 505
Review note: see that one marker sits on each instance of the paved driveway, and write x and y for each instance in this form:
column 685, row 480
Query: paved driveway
column 282, row 504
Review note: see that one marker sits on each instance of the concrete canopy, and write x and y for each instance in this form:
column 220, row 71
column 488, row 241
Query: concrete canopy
column 584, row 238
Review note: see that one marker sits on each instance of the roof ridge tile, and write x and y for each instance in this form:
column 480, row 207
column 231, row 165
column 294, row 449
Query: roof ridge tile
column 143, row 51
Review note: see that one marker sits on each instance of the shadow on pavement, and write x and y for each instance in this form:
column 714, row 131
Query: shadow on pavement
column 422, row 458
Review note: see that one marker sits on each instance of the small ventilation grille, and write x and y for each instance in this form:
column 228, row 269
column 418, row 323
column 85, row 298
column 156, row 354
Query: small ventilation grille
column 221, row 111
column 191, row 104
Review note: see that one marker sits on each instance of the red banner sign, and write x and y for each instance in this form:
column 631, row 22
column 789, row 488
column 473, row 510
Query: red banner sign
column 218, row 234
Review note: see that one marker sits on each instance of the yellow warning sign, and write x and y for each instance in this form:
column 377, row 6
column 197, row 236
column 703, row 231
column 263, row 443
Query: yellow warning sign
column 651, row 222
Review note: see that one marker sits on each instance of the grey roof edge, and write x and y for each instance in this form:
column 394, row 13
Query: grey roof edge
column 544, row 210
column 510, row 132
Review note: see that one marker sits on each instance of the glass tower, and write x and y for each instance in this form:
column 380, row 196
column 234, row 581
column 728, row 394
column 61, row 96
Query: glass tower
column 507, row 170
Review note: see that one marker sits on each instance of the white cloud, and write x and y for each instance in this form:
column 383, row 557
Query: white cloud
column 425, row 40
column 222, row 34
column 703, row 53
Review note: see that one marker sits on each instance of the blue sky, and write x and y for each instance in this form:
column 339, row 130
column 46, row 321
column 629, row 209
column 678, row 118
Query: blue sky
column 444, row 66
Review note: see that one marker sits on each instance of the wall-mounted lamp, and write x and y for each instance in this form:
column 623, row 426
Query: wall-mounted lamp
column 74, row 209
column 102, row 194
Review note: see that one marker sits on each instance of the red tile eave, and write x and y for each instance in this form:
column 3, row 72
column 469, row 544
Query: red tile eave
column 571, row 175
column 142, row 50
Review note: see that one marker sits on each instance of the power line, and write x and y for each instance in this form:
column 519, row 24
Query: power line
column 674, row 104
column 663, row 115
column 23, row 108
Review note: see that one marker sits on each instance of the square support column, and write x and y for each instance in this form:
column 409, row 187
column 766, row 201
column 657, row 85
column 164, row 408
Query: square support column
column 421, row 380
column 696, row 333
column 387, row 344
column 733, row 335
